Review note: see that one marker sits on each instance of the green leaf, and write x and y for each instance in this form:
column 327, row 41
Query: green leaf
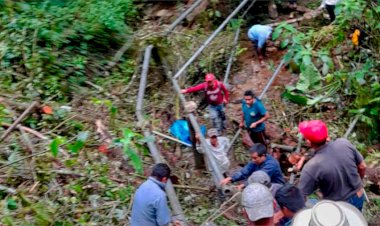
column 11, row 204
column 276, row 33
column 306, row 60
column 285, row 43
column 54, row 146
column 295, row 98
column 217, row 13
column 79, row 143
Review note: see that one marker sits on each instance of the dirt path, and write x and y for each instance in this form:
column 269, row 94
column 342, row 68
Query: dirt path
column 255, row 77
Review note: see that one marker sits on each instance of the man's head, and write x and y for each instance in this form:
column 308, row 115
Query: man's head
column 290, row 200
column 260, row 177
column 161, row 172
column 213, row 135
column 315, row 132
column 249, row 97
column 209, row 78
column 258, row 153
column 257, row 202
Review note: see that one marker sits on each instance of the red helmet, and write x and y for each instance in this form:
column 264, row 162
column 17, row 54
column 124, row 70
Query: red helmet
column 209, row 77
column 315, row 131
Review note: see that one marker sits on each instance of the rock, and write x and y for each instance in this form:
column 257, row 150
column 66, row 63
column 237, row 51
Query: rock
column 272, row 11
column 163, row 13
column 271, row 49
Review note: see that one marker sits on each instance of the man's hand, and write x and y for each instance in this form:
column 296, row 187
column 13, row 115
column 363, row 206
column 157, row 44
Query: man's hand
column 225, row 181
column 253, row 125
column 241, row 125
column 240, row 187
column 225, row 102
column 176, row 223
column 183, row 91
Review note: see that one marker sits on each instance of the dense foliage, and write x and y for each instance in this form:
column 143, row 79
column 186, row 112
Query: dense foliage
column 332, row 68
column 49, row 47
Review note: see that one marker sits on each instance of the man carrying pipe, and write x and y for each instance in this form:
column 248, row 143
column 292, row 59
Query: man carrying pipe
column 216, row 97
column 337, row 168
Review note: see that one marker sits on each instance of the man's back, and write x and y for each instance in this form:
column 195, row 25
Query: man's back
column 334, row 170
column 150, row 205
column 259, row 33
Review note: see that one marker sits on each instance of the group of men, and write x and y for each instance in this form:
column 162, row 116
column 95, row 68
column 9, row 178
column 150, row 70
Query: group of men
column 336, row 170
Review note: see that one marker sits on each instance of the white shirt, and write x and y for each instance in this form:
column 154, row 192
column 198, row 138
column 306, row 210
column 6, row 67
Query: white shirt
column 329, row 2
column 220, row 153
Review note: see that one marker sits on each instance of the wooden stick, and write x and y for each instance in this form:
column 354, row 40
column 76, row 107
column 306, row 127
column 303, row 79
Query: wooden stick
column 308, row 15
column 27, row 129
column 18, row 120
column 21, row 159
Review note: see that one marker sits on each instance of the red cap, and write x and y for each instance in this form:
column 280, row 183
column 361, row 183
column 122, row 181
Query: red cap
column 209, row 77
column 315, row 131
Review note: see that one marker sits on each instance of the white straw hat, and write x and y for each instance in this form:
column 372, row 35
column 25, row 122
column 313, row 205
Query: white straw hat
column 329, row 213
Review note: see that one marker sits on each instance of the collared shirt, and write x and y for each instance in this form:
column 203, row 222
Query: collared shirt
column 254, row 113
column 259, row 34
column 333, row 170
column 150, row 207
column 270, row 166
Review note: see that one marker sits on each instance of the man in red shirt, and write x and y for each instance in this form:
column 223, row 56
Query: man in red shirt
column 216, row 97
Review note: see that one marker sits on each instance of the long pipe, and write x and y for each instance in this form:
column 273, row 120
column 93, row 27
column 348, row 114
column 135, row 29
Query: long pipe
column 176, row 207
column 231, row 58
column 212, row 36
column 272, row 78
column 182, row 16
column 217, row 175
column 236, row 38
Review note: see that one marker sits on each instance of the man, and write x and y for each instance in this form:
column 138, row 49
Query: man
column 260, row 161
column 150, row 206
column 290, row 201
column 257, row 202
column 219, row 148
column 330, row 7
column 337, row 168
column 254, row 116
column 259, row 34
column 216, row 97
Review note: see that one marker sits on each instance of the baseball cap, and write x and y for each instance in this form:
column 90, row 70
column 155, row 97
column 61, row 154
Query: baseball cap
column 257, row 201
column 260, row 177
column 212, row 132
column 209, row 77
column 314, row 130
column 326, row 213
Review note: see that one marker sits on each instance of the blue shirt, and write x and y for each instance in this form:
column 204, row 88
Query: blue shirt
column 270, row 166
column 150, row 207
column 254, row 113
column 259, row 34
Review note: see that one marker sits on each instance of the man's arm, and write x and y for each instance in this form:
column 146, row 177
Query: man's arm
column 225, row 92
column 194, row 88
column 263, row 119
column 241, row 175
column 163, row 216
column 307, row 184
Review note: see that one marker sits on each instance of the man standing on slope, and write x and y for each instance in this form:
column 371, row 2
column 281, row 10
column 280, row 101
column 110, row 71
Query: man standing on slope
column 216, row 97
column 337, row 168
column 254, row 116
column 150, row 207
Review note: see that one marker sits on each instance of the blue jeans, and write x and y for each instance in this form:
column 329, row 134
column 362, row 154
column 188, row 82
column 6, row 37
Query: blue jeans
column 356, row 201
column 217, row 116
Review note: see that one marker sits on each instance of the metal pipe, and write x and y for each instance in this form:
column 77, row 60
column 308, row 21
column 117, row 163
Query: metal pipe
column 349, row 130
column 231, row 58
column 298, row 149
column 217, row 175
column 351, row 127
column 234, row 139
column 171, row 138
column 182, row 16
column 236, row 38
column 283, row 147
column 174, row 203
column 212, row 36
column 272, row 78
